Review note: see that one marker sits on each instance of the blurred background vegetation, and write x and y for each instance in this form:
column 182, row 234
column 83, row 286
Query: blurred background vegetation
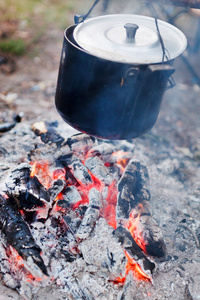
column 23, row 22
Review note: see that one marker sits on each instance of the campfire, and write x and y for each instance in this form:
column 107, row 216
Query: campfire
column 88, row 206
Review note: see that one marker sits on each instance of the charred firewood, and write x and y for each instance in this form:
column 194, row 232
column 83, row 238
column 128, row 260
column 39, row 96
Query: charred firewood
column 104, row 151
column 78, row 170
column 91, row 215
column 56, row 188
column 133, row 249
column 29, row 193
column 133, row 209
column 7, row 126
column 47, row 133
column 96, row 166
column 17, row 233
column 81, row 143
column 71, row 195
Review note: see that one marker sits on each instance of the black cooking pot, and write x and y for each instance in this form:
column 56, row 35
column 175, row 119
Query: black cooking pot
column 112, row 96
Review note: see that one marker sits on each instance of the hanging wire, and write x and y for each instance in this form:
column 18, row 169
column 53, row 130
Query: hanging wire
column 82, row 18
column 153, row 11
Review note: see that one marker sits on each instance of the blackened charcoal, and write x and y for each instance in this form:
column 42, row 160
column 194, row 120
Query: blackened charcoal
column 95, row 198
column 69, row 257
column 125, row 199
column 63, row 204
column 96, row 166
column 133, row 190
column 47, row 133
column 149, row 231
column 7, row 126
column 103, row 150
column 56, row 188
column 81, row 142
column 79, row 171
column 91, row 215
column 133, row 201
column 136, row 178
column 129, row 176
column 71, row 195
column 28, row 191
column 17, row 233
column 127, row 241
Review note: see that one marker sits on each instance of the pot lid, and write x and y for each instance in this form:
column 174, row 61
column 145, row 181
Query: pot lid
column 129, row 38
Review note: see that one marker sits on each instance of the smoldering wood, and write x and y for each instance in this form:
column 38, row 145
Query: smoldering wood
column 17, row 233
column 71, row 195
column 63, row 205
column 29, row 193
column 91, row 215
column 129, row 244
column 47, row 133
column 103, row 150
column 78, row 170
column 5, row 272
column 151, row 234
column 80, row 144
column 182, row 3
column 133, row 198
column 56, row 188
column 96, row 166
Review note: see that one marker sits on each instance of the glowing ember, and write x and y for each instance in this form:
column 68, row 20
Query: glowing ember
column 134, row 267
column 41, row 170
column 108, row 208
column 133, row 228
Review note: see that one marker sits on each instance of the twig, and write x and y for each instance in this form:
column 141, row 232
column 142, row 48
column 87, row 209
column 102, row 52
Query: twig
column 193, row 233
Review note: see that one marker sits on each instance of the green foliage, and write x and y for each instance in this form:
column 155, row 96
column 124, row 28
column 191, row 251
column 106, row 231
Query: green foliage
column 13, row 46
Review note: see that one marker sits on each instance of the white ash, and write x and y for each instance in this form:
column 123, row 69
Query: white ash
column 108, row 255
column 97, row 167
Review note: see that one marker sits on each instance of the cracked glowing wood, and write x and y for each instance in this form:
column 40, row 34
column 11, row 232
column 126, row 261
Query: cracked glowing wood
column 17, row 233
column 91, row 215
column 29, row 193
column 80, row 144
column 96, row 166
column 133, row 249
column 78, row 170
column 133, row 209
column 71, row 195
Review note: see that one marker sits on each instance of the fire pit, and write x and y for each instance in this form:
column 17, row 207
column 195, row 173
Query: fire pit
column 76, row 220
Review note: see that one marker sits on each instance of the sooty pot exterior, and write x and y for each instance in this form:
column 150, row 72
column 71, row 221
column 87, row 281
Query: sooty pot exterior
column 107, row 99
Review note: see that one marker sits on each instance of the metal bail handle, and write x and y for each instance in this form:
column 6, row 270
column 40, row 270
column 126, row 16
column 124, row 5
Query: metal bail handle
column 81, row 18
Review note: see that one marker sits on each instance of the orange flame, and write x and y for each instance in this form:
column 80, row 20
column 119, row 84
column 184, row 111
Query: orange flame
column 17, row 263
column 135, row 268
column 41, row 169
column 132, row 226
column 121, row 159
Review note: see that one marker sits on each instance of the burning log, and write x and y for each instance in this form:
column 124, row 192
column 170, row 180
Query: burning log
column 17, row 233
column 79, row 171
column 28, row 192
column 133, row 209
column 129, row 244
column 96, row 166
column 80, row 144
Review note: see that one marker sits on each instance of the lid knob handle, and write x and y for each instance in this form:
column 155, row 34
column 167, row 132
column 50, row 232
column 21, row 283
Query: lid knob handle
column 131, row 31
